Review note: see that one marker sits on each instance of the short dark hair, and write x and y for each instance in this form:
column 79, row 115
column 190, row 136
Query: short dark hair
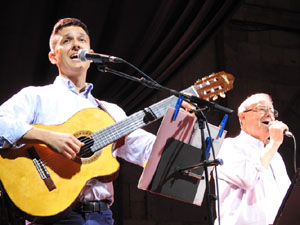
column 66, row 22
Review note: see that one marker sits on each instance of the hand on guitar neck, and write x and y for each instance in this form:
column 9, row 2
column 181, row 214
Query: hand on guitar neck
column 187, row 107
column 63, row 143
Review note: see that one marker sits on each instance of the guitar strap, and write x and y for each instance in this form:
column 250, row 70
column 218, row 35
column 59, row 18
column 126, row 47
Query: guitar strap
column 102, row 107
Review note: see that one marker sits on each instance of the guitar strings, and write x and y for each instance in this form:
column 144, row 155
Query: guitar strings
column 103, row 136
column 107, row 135
column 123, row 130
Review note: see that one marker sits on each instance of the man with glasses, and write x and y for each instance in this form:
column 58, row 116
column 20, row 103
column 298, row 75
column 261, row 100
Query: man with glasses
column 253, row 180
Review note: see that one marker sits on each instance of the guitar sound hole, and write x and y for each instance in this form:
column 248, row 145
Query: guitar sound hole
column 85, row 150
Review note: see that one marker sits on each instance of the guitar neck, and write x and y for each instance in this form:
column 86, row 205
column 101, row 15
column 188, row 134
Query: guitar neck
column 135, row 121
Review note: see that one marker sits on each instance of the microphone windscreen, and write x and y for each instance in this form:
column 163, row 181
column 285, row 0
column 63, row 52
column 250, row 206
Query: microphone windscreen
column 82, row 54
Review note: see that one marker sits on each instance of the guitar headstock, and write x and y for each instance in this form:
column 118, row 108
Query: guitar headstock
column 214, row 85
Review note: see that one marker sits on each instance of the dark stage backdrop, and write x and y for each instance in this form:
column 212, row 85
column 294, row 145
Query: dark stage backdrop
column 157, row 36
column 175, row 42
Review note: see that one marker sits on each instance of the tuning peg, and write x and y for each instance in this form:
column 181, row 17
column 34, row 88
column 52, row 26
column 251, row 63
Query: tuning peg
column 211, row 75
column 222, row 94
column 215, row 98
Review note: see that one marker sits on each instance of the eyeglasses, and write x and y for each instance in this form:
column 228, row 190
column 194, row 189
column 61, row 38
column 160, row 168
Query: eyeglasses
column 264, row 109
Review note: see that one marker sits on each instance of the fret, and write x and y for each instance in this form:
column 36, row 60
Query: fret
column 135, row 121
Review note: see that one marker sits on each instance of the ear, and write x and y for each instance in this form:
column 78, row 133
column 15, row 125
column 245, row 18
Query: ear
column 51, row 56
column 241, row 116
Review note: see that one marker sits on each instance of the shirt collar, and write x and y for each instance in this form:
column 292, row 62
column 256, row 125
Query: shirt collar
column 69, row 85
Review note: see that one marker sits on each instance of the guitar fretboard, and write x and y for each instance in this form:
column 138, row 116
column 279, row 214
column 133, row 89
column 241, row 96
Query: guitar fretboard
column 135, row 121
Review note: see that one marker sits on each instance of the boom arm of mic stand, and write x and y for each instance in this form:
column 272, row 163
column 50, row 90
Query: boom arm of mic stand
column 155, row 85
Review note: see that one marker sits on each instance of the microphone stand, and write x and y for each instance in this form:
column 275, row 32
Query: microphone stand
column 155, row 85
column 201, row 119
column 201, row 122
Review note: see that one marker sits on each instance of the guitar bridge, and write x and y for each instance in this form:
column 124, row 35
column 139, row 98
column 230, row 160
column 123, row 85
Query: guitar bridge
column 42, row 170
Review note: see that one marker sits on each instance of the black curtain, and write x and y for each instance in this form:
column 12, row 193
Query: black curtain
column 175, row 30
column 157, row 36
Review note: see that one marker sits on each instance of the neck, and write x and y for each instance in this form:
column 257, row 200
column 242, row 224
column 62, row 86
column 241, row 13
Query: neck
column 78, row 80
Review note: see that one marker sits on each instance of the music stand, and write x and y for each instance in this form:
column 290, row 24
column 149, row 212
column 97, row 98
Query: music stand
column 177, row 141
column 168, row 181
column 288, row 212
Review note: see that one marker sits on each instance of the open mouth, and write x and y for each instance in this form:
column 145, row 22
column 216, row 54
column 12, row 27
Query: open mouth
column 74, row 56
column 266, row 122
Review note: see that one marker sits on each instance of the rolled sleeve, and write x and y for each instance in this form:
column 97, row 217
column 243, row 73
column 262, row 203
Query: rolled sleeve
column 11, row 131
column 16, row 115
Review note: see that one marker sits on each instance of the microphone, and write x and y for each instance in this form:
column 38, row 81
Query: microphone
column 288, row 133
column 205, row 163
column 84, row 55
column 285, row 132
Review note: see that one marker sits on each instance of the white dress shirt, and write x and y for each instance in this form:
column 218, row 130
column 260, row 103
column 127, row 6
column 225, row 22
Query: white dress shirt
column 250, row 194
column 54, row 104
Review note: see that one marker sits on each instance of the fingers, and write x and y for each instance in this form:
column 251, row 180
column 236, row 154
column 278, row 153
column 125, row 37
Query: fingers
column 68, row 154
column 75, row 144
column 279, row 125
column 72, row 147
column 276, row 131
column 187, row 106
column 65, row 144
column 70, row 151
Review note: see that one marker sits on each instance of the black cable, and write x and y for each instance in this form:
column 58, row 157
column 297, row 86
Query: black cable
column 295, row 154
column 216, row 175
column 141, row 72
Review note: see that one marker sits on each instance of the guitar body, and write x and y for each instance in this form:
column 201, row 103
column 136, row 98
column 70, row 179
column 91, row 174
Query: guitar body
column 29, row 192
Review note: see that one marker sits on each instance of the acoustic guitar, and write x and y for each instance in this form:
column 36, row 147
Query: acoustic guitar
column 45, row 185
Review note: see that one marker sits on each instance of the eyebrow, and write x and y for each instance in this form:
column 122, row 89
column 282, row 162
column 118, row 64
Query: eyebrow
column 69, row 34
column 264, row 106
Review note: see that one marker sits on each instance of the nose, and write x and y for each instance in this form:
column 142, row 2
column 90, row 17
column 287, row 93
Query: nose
column 270, row 114
column 76, row 45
